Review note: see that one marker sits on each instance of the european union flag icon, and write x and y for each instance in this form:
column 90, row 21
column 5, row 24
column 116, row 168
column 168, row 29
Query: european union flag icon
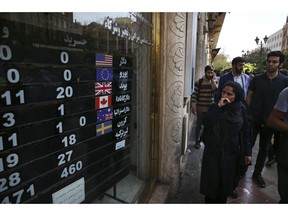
column 103, row 128
column 104, row 74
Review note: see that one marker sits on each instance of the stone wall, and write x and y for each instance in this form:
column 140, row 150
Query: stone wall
column 173, row 31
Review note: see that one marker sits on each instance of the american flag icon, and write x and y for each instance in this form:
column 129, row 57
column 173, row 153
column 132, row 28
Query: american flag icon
column 104, row 60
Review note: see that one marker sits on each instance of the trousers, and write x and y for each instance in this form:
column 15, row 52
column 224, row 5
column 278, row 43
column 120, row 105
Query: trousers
column 282, row 184
column 199, row 126
column 265, row 135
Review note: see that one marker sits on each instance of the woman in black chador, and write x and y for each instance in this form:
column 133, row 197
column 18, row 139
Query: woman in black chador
column 226, row 137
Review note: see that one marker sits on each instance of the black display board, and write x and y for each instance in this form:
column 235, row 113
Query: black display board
column 65, row 116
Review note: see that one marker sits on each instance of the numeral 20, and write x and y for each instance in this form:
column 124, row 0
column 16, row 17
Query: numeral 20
column 64, row 92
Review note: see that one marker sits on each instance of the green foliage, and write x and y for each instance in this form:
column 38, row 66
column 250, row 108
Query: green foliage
column 257, row 59
column 221, row 62
column 285, row 66
column 251, row 67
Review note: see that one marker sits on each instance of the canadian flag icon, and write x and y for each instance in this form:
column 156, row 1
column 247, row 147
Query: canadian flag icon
column 103, row 102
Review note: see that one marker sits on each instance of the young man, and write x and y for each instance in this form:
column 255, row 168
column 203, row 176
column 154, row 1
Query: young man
column 262, row 96
column 202, row 98
column 278, row 119
column 236, row 74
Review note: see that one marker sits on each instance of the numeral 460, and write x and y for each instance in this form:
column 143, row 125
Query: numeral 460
column 71, row 169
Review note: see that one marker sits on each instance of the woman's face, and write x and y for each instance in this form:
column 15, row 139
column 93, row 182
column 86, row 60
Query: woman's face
column 227, row 92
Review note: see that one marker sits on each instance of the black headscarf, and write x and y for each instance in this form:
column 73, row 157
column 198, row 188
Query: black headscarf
column 237, row 89
column 232, row 111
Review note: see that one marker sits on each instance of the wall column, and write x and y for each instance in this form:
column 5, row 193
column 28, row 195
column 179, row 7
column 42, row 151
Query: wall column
column 199, row 72
column 173, row 31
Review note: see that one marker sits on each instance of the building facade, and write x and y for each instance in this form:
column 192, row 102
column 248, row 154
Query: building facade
column 279, row 39
column 96, row 105
column 274, row 41
column 285, row 36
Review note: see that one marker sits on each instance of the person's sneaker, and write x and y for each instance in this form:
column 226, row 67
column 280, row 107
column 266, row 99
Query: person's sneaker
column 197, row 146
column 270, row 162
column 259, row 180
column 234, row 194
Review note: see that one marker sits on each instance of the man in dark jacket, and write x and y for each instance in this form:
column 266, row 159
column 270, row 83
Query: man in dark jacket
column 236, row 75
column 262, row 96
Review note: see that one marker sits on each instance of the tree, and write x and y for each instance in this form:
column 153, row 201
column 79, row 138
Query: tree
column 250, row 67
column 221, row 62
column 257, row 59
column 285, row 66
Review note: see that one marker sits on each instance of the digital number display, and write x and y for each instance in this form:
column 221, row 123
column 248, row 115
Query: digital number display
column 65, row 114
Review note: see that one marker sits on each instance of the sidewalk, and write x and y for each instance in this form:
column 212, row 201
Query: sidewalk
column 248, row 192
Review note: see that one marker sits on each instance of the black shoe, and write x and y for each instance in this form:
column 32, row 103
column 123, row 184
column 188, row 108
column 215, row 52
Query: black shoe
column 197, row 146
column 259, row 180
column 234, row 194
column 270, row 162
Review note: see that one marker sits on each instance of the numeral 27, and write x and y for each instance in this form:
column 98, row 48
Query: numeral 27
column 63, row 158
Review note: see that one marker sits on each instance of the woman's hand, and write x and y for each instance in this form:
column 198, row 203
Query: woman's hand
column 193, row 109
column 223, row 102
column 248, row 160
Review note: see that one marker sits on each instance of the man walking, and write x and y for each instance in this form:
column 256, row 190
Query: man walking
column 202, row 98
column 262, row 96
column 236, row 75
column 278, row 119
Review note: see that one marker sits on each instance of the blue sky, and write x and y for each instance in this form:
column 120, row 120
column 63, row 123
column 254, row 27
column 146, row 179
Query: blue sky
column 240, row 30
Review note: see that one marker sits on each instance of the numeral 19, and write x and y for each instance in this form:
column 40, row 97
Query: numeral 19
column 11, row 161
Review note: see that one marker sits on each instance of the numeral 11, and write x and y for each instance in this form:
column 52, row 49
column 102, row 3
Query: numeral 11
column 12, row 139
column 7, row 97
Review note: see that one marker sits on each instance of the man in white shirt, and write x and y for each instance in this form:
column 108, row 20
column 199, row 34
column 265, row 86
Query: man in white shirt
column 237, row 75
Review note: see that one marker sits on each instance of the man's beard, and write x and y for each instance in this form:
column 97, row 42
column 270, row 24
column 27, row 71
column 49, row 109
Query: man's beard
column 209, row 77
column 271, row 69
column 238, row 72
